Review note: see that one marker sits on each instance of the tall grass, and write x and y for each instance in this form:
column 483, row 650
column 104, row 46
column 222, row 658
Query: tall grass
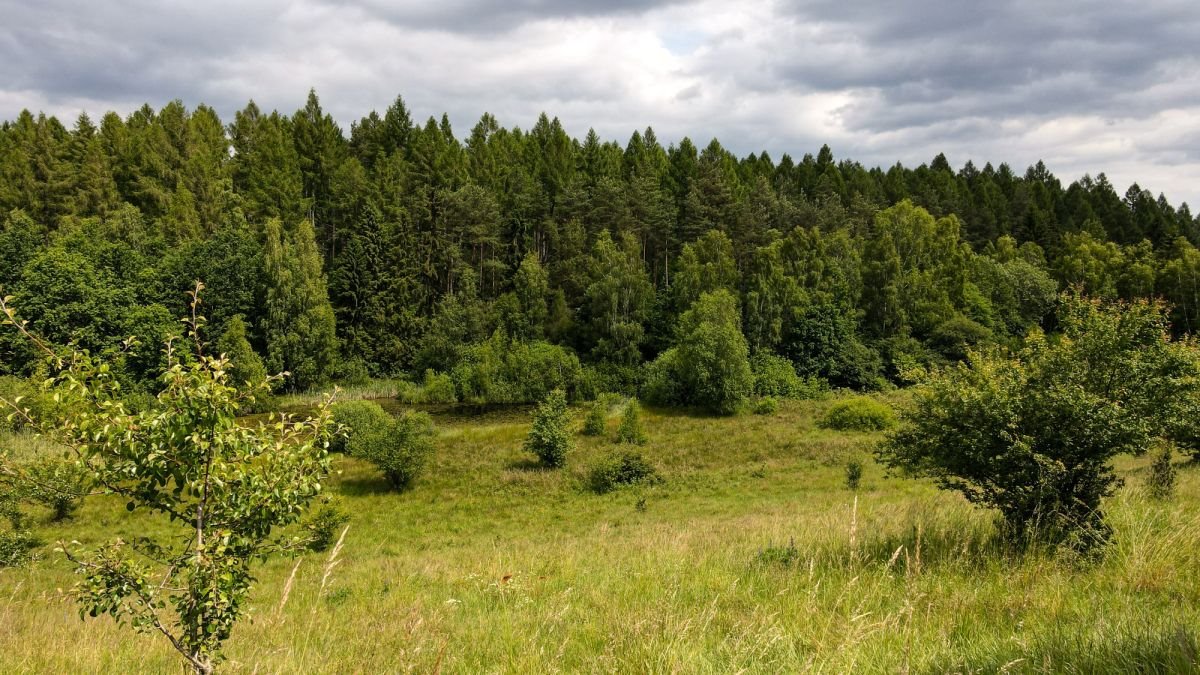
column 490, row 566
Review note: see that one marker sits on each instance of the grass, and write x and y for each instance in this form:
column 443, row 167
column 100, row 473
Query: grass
column 492, row 564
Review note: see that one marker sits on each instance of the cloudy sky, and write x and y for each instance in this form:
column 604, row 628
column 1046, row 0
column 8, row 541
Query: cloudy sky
column 1086, row 85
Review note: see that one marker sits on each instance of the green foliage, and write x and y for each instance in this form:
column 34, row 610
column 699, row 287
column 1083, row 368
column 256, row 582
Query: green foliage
column 958, row 335
column 860, row 413
column 767, row 405
column 1161, row 480
column 226, row 487
column 298, row 321
column 630, row 429
column 548, row 438
column 438, row 388
column 16, row 541
column 775, row 376
column 854, row 472
column 597, row 418
column 502, row 370
column 55, row 483
column 710, row 366
column 354, row 419
column 245, row 365
column 823, row 342
column 400, row 449
column 325, row 524
column 779, row 556
column 619, row 470
column 1033, row 434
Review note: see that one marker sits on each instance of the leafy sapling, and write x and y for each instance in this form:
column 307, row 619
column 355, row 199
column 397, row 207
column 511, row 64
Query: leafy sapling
column 224, row 488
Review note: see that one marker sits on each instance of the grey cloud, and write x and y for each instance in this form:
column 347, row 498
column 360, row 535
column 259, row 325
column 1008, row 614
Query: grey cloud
column 493, row 15
column 934, row 60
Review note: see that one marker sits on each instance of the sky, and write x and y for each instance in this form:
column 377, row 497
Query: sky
column 1088, row 86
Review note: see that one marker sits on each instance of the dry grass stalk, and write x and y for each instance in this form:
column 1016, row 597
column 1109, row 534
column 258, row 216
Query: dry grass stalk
column 287, row 589
column 332, row 562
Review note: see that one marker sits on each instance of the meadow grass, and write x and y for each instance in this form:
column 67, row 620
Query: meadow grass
column 751, row 556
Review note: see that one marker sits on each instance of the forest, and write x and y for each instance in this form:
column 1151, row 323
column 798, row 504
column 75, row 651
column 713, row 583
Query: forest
column 399, row 250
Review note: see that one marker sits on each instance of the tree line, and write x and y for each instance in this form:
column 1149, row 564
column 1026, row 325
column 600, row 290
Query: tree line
column 518, row 255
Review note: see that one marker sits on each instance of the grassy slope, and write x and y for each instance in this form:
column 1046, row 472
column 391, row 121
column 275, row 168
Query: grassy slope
column 490, row 565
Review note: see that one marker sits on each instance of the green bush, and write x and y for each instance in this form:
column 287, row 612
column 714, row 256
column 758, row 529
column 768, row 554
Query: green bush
column 1033, row 434
column 597, row 419
column 710, row 365
column 858, row 414
column 776, row 376
column 854, row 472
column 619, row 470
column 1160, row 482
column 16, row 541
column 57, row 484
column 324, row 524
column 631, row 430
column 357, row 418
column 31, row 398
column 781, row 556
column 437, row 388
column 548, row 438
column 400, row 449
column 767, row 405
column 503, row 370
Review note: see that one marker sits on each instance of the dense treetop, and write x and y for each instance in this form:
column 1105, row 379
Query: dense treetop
column 400, row 247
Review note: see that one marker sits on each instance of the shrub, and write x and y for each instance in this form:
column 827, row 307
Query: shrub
column 1033, row 434
column 400, row 449
column 858, row 414
column 437, row 388
column 631, row 430
column 16, row 541
column 782, row 556
column 324, row 524
column 767, row 405
column 503, row 370
column 357, row 418
column 16, row 547
column 609, row 377
column 619, row 470
column 775, row 376
column 597, row 419
column 352, row 371
column 956, row 335
column 854, row 472
column 1161, row 480
column 57, row 484
column 548, row 438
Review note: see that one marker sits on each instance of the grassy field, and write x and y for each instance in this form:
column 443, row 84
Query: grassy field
column 751, row 556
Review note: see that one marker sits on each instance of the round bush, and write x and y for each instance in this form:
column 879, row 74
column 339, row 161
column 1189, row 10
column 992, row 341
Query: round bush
column 400, row 449
column 359, row 418
column 626, row 468
column 767, row 405
column 859, row 414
